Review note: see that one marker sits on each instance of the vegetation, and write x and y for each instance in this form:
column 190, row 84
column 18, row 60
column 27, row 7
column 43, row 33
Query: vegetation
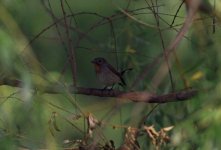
column 50, row 97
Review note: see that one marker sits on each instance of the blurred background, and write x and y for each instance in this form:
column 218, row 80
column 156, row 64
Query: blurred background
column 34, row 50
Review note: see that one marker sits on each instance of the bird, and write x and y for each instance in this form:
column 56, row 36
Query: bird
column 107, row 74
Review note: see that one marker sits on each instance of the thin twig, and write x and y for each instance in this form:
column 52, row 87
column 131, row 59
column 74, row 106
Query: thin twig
column 162, row 44
column 172, row 46
column 71, row 49
column 50, row 11
column 177, row 13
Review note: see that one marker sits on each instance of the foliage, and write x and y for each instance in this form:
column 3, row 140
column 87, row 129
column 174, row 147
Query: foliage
column 48, row 43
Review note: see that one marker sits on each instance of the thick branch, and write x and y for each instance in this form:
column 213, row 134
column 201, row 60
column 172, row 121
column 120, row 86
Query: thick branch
column 136, row 96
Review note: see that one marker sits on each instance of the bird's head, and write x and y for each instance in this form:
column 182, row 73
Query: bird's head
column 99, row 61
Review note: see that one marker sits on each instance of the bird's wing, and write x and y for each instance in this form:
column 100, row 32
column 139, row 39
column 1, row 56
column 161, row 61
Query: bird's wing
column 117, row 73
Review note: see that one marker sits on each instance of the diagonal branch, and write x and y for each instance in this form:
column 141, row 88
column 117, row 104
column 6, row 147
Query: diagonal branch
column 174, row 43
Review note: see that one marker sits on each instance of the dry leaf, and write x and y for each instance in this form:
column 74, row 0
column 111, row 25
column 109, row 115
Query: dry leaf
column 130, row 140
column 160, row 137
column 166, row 129
column 92, row 123
column 153, row 134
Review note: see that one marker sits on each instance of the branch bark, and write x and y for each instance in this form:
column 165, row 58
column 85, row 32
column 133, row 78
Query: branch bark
column 136, row 96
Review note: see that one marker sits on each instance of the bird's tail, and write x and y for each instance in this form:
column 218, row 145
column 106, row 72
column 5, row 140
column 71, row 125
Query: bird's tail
column 121, row 74
column 125, row 70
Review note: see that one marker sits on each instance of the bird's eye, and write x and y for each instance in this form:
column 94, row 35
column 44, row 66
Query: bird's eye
column 99, row 60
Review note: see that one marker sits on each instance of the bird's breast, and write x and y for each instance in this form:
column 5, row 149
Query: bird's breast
column 97, row 68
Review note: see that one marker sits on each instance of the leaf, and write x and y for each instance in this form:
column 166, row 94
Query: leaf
column 52, row 123
column 166, row 129
column 130, row 140
column 55, row 126
column 153, row 134
column 158, row 137
column 130, row 50
column 54, row 114
column 92, row 123
column 198, row 75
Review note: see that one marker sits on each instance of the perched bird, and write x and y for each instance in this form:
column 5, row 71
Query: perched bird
column 106, row 73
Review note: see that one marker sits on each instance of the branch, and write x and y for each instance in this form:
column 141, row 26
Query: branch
column 71, row 48
column 174, row 43
column 136, row 96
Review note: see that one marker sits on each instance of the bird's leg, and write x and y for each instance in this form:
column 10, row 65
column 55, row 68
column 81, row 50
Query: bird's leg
column 106, row 87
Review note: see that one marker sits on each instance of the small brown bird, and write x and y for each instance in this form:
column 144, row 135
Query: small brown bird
column 106, row 73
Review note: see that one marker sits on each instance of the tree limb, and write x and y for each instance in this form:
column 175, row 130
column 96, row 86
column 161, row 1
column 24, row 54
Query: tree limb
column 136, row 96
